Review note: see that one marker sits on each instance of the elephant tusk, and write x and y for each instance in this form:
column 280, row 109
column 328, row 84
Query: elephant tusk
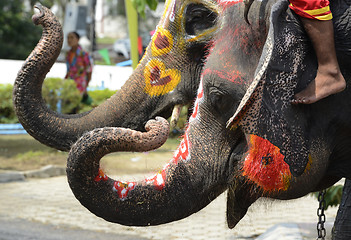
column 175, row 115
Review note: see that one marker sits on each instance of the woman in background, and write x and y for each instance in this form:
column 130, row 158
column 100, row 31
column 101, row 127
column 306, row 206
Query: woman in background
column 79, row 64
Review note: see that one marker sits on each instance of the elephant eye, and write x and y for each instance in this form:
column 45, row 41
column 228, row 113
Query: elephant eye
column 198, row 18
column 218, row 100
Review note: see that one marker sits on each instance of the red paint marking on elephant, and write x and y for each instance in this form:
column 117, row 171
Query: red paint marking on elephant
column 228, row 3
column 249, row 41
column 173, row 12
column 264, row 165
column 155, row 77
column 123, row 188
column 161, row 41
column 200, row 94
column 101, row 176
column 158, row 180
column 233, row 76
column 182, row 153
column 221, row 42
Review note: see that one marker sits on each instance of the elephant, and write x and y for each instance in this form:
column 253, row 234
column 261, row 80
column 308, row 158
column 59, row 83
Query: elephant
column 167, row 76
column 244, row 135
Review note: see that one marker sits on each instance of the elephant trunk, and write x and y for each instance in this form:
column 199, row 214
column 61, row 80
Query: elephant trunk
column 60, row 131
column 169, row 195
column 37, row 64
column 29, row 105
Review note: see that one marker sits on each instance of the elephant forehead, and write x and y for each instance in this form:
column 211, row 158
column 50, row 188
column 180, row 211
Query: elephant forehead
column 174, row 10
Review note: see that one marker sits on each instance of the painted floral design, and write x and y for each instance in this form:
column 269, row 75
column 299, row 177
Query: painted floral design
column 101, row 176
column 265, row 165
column 158, row 180
column 123, row 188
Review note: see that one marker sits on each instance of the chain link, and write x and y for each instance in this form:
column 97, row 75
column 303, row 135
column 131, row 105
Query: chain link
column 321, row 216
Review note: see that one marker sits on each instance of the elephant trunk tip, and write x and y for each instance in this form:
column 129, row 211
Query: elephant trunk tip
column 36, row 17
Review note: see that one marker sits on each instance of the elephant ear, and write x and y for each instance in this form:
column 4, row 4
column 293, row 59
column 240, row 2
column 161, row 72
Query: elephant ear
column 286, row 66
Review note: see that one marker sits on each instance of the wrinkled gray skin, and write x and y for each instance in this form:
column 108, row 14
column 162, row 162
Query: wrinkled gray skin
column 192, row 27
column 214, row 156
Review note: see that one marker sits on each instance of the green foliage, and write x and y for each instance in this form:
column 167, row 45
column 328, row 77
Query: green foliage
column 105, row 40
column 140, row 5
column 332, row 196
column 64, row 90
column 18, row 35
column 30, row 155
column 46, row 3
column 99, row 96
column 7, row 113
column 54, row 90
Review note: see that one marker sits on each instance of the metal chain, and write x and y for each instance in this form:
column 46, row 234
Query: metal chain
column 321, row 217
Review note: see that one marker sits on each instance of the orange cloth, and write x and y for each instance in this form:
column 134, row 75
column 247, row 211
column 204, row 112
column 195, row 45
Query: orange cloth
column 313, row 9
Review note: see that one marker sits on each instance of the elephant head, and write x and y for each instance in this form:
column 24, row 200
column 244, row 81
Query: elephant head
column 206, row 162
column 167, row 75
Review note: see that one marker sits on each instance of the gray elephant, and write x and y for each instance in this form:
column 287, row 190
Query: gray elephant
column 167, row 75
column 244, row 134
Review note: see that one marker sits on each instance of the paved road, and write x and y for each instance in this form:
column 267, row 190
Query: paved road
column 39, row 205
column 20, row 229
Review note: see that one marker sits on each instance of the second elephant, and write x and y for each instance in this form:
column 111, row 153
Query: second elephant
column 167, row 75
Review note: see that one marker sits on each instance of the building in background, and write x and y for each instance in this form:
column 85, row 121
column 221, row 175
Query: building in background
column 80, row 17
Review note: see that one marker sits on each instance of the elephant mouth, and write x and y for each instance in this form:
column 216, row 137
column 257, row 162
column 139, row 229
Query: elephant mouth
column 172, row 110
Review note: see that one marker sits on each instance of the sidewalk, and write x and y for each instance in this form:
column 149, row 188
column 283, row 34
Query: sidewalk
column 50, row 201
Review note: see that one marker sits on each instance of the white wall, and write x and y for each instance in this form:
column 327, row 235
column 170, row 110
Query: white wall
column 111, row 77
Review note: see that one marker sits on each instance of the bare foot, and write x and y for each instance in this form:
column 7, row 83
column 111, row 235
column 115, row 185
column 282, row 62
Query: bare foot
column 326, row 83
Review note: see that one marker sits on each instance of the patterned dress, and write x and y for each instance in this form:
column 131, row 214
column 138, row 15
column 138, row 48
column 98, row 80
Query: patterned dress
column 313, row 9
column 79, row 65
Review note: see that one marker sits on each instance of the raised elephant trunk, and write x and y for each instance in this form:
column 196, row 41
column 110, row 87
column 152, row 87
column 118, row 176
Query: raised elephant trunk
column 51, row 43
column 170, row 195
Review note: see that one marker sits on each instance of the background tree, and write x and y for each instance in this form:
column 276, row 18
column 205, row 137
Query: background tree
column 18, row 35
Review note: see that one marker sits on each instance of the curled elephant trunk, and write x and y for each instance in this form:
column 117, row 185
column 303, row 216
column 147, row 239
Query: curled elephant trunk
column 167, row 196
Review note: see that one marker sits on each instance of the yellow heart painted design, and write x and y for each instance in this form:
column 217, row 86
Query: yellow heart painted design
column 162, row 42
column 158, row 79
